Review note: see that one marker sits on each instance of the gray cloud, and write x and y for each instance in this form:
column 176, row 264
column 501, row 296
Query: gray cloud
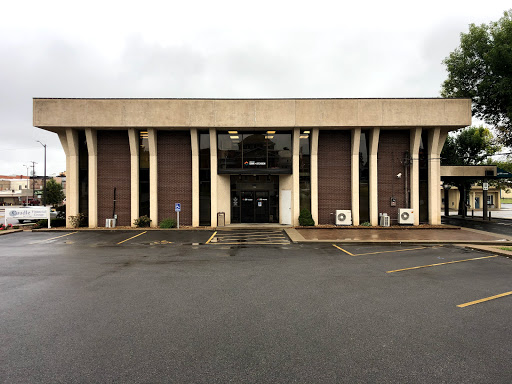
column 303, row 57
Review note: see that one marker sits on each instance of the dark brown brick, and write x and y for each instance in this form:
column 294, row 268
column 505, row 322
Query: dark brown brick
column 392, row 147
column 114, row 172
column 334, row 187
column 174, row 175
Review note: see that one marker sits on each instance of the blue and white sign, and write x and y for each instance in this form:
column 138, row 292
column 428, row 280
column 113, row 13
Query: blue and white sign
column 28, row 213
column 177, row 207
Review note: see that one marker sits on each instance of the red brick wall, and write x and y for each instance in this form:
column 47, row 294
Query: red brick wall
column 334, row 166
column 174, row 175
column 114, row 171
column 392, row 146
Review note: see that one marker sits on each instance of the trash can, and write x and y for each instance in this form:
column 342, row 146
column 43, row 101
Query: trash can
column 221, row 219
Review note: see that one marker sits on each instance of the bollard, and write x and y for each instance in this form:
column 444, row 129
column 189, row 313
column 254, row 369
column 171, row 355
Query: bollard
column 489, row 215
column 472, row 213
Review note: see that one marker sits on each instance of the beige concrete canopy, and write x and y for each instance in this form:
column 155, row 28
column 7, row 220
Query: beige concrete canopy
column 53, row 114
column 469, row 171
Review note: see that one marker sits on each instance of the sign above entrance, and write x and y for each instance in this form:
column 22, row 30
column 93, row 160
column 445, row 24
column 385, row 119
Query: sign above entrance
column 253, row 163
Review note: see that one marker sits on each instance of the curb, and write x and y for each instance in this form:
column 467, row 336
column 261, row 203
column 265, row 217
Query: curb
column 8, row 231
column 391, row 242
column 102, row 229
column 484, row 248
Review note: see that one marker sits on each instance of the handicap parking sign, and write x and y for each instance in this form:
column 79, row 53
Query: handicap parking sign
column 177, row 207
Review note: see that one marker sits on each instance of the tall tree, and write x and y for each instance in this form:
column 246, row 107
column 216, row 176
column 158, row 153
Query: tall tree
column 481, row 68
column 471, row 146
column 54, row 193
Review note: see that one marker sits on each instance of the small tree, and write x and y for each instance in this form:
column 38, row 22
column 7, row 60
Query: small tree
column 54, row 193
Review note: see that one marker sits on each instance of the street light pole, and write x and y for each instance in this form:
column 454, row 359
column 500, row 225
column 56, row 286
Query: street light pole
column 44, row 177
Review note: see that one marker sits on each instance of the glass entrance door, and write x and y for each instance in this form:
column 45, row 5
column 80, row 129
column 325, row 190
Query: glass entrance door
column 247, row 213
column 261, row 214
column 254, row 199
column 255, row 207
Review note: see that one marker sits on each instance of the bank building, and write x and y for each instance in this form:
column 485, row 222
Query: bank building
column 347, row 161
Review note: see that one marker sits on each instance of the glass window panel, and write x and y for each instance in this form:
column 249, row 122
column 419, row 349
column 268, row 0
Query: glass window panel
column 204, row 179
column 364, row 176
column 304, row 152
column 254, row 150
column 280, row 150
column 144, row 192
column 143, row 150
column 305, row 192
column 83, row 174
column 229, row 150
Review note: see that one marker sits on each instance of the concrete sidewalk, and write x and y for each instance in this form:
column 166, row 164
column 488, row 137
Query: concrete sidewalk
column 448, row 235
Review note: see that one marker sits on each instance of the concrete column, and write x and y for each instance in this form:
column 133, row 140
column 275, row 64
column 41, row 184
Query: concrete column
column 133, row 137
column 374, row 149
column 153, row 177
column 213, row 175
column 314, row 174
column 72, row 175
column 194, row 142
column 356, row 139
column 415, row 142
column 295, row 177
column 64, row 142
column 436, row 139
column 92, row 148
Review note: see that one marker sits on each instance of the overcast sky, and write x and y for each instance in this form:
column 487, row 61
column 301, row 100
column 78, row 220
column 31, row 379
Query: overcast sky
column 217, row 49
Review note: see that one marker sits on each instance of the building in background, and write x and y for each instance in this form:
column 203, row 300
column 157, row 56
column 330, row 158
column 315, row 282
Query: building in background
column 252, row 160
column 21, row 190
column 475, row 198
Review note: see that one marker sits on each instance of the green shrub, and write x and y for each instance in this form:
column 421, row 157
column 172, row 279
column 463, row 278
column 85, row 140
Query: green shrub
column 142, row 221
column 168, row 223
column 366, row 224
column 305, row 218
column 79, row 220
column 54, row 223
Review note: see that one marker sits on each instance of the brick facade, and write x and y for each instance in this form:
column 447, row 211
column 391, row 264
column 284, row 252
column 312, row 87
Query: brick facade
column 174, row 155
column 114, row 172
column 334, row 178
column 392, row 147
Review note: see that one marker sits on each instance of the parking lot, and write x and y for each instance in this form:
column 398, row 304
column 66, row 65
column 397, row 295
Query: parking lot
column 175, row 306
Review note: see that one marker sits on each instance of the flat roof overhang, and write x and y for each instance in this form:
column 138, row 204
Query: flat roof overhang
column 449, row 172
column 55, row 114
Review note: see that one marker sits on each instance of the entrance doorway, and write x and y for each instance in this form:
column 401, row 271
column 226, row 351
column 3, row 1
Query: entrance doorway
column 255, row 207
column 254, row 199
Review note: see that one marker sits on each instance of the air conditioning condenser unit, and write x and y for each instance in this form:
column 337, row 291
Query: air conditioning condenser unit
column 343, row 217
column 110, row 223
column 405, row 216
column 384, row 220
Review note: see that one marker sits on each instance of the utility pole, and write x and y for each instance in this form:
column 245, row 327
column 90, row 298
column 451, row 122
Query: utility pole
column 33, row 175
column 44, row 177
column 28, row 182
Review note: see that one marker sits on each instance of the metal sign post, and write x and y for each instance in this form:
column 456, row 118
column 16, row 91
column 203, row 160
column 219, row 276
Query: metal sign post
column 177, row 208
column 485, row 188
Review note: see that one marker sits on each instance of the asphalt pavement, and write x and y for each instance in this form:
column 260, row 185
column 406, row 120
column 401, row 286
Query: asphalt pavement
column 495, row 225
column 92, row 307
